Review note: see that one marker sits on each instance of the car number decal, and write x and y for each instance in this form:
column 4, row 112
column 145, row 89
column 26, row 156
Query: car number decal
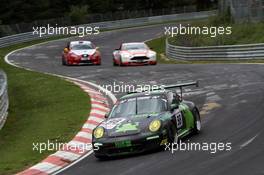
column 179, row 119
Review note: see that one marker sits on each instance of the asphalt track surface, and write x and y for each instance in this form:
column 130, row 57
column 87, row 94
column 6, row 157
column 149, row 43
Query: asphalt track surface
column 231, row 98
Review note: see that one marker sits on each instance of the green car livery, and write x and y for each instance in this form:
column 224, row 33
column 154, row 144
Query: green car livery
column 142, row 121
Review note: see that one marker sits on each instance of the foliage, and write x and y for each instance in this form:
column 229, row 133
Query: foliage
column 245, row 33
column 78, row 13
column 29, row 10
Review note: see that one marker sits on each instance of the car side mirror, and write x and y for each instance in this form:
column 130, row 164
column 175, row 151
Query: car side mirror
column 173, row 107
column 151, row 48
column 117, row 49
column 66, row 50
column 106, row 115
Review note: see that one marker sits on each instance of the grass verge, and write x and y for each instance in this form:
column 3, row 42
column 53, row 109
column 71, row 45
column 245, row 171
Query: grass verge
column 42, row 108
column 245, row 33
column 158, row 45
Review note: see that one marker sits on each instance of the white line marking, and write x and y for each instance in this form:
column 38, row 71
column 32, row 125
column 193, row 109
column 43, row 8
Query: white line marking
column 248, row 142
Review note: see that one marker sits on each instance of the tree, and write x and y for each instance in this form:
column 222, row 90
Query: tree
column 78, row 13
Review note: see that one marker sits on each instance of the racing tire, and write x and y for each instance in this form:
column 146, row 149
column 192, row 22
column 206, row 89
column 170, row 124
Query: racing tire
column 66, row 62
column 114, row 63
column 120, row 62
column 63, row 61
column 100, row 157
column 197, row 120
column 172, row 135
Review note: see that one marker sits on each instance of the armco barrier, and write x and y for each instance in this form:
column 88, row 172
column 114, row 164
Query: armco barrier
column 4, row 99
column 23, row 37
column 227, row 52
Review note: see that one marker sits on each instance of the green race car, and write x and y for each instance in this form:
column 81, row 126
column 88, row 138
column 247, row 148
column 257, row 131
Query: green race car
column 143, row 121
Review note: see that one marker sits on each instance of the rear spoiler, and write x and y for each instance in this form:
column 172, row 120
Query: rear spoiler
column 180, row 85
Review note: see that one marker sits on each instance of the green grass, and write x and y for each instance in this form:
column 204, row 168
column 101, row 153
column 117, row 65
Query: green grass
column 246, row 33
column 42, row 108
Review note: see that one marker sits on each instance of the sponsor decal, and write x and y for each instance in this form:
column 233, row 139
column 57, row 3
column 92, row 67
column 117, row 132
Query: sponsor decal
column 110, row 124
column 127, row 127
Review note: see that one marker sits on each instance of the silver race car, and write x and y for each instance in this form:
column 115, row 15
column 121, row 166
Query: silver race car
column 134, row 54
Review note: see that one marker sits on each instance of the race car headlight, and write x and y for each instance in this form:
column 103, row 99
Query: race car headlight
column 98, row 132
column 152, row 55
column 74, row 56
column 154, row 125
column 127, row 55
column 94, row 56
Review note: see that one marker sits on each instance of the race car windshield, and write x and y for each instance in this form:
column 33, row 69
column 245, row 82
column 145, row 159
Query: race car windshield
column 81, row 47
column 140, row 105
column 134, row 47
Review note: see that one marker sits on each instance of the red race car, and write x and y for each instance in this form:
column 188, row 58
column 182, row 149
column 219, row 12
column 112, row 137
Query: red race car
column 81, row 52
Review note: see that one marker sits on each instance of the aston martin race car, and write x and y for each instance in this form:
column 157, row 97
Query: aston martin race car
column 145, row 121
column 134, row 54
column 81, row 52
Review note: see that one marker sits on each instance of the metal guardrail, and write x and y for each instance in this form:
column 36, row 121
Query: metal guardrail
column 227, row 52
column 23, row 37
column 4, row 102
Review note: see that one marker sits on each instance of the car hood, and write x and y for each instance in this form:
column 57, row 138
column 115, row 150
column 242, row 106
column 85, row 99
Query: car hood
column 82, row 52
column 115, row 127
column 142, row 52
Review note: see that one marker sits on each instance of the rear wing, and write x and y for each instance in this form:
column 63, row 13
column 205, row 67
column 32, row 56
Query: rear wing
column 180, row 85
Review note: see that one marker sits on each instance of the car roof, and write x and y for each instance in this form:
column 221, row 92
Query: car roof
column 143, row 94
column 80, row 42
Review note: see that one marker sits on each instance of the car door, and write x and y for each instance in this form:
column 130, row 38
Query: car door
column 177, row 113
column 116, row 53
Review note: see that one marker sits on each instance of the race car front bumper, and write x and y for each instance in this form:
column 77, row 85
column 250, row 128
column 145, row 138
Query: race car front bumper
column 135, row 63
column 117, row 146
column 82, row 61
column 137, row 60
